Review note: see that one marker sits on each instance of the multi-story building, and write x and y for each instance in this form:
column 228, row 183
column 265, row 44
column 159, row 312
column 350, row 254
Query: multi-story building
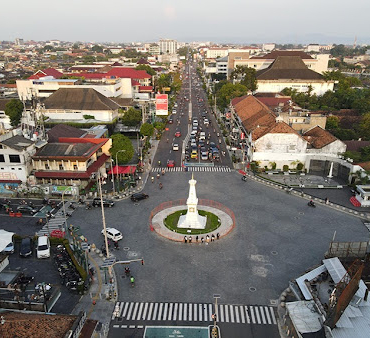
column 167, row 46
column 154, row 49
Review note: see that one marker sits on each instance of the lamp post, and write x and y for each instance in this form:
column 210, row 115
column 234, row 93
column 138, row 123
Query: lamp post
column 64, row 208
column 111, row 167
column 121, row 150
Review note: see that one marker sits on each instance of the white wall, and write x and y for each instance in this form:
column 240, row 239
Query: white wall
column 334, row 148
column 65, row 115
column 276, row 86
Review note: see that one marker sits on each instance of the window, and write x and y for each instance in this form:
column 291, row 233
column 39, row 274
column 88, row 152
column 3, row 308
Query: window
column 1, row 146
column 14, row 159
column 47, row 167
column 2, row 159
column 61, row 167
column 19, row 168
column 75, row 167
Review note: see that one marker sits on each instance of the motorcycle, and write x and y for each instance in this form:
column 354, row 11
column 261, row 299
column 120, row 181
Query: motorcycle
column 311, row 204
column 244, row 178
column 88, row 206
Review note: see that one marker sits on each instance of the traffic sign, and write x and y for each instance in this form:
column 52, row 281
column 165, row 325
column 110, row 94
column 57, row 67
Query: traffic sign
column 108, row 262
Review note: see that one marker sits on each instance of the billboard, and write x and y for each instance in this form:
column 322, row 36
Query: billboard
column 161, row 104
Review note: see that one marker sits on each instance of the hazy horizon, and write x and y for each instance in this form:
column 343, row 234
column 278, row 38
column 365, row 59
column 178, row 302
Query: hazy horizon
column 235, row 21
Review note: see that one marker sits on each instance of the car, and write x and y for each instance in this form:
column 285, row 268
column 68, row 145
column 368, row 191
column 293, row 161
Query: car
column 107, row 203
column 195, row 123
column 113, row 234
column 193, row 143
column 193, row 133
column 202, row 135
column 204, row 156
column 206, row 122
column 194, row 154
column 170, row 163
column 174, row 112
column 26, row 247
column 9, row 249
column 175, row 147
column 43, row 247
column 27, row 209
column 195, row 128
column 170, row 120
column 139, row 196
column 178, row 134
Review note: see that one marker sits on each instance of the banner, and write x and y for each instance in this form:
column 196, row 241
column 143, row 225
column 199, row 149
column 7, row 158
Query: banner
column 161, row 104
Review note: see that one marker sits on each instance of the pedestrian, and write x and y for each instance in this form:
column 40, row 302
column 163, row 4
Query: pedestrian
column 196, row 239
column 190, row 239
column 152, row 179
column 207, row 239
column 212, row 238
column 185, row 239
column 202, row 239
column 326, row 200
column 218, row 235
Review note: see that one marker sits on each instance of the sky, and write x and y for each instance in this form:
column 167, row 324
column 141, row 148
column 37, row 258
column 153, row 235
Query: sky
column 234, row 21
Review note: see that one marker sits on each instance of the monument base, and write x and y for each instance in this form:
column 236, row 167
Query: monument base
column 192, row 221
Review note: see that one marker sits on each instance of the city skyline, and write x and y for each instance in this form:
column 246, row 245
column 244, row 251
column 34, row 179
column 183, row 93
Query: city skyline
column 235, row 22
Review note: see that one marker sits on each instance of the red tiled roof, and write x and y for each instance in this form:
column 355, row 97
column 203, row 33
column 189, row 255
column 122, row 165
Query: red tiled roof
column 88, row 75
column 125, row 72
column 46, row 72
column 135, row 83
column 273, row 102
column 273, row 128
column 356, row 145
column 318, row 137
column 73, row 174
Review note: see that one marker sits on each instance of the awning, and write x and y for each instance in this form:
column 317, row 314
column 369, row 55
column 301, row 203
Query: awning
column 5, row 238
column 123, row 169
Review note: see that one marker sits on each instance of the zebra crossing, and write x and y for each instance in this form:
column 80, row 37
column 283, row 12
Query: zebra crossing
column 204, row 169
column 194, row 312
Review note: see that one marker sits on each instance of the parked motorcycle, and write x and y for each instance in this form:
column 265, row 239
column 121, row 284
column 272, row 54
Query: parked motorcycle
column 311, row 204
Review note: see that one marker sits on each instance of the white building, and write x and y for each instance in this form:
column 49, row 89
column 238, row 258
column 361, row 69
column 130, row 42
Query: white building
column 167, row 46
column 15, row 159
column 268, row 47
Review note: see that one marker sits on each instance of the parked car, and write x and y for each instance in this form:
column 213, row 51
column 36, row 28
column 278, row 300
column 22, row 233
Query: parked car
column 107, row 203
column 26, row 247
column 139, row 196
column 9, row 249
column 26, row 209
column 194, row 154
column 113, row 234
column 43, row 247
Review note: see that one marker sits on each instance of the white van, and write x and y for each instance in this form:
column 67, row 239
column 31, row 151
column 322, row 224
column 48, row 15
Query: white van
column 43, row 247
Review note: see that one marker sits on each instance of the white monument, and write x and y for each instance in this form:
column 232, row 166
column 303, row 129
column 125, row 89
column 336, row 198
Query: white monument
column 192, row 219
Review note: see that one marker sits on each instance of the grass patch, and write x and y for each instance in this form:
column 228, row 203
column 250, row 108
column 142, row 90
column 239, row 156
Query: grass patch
column 212, row 223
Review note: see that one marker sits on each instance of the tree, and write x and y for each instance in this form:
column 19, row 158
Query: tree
column 14, row 109
column 365, row 126
column 246, row 75
column 97, row 49
column 121, row 142
column 332, row 122
column 164, row 81
column 183, row 51
column 147, row 129
column 132, row 117
column 228, row 92
column 147, row 68
column 48, row 48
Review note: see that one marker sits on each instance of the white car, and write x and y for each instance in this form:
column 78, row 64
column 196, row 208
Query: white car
column 174, row 112
column 113, row 234
column 175, row 147
column 43, row 247
column 202, row 135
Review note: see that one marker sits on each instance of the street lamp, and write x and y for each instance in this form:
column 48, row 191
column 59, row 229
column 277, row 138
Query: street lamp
column 111, row 167
column 64, row 207
column 121, row 150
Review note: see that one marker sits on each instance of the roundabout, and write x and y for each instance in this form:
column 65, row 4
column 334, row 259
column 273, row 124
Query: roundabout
column 162, row 211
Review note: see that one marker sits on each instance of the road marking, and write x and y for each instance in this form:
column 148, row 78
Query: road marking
column 257, row 315
column 190, row 312
column 227, row 313
column 185, row 311
column 195, row 312
column 263, row 315
column 160, row 311
column 247, row 315
column 273, row 315
column 200, row 312
column 120, row 308
column 237, row 319
column 165, row 311
column 222, row 313
column 232, row 314
column 125, row 310
column 155, row 311
column 252, row 315
column 150, row 311
column 210, row 312
column 180, row 311
column 268, row 315
column 129, row 311
column 140, row 310
column 242, row 316
column 134, row 312
column 170, row 312
column 144, row 312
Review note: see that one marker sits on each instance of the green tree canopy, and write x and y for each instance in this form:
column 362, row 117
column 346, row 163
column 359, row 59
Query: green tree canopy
column 229, row 91
column 164, row 81
column 97, row 49
column 183, row 51
column 14, row 109
column 332, row 122
column 147, row 68
column 132, row 117
column 121, row 142
column 147, row 129
column 246, row 76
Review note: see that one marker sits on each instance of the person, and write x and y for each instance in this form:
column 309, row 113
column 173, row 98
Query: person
column 218, row 235
column 326, row 200
column 163, row 172
column 158, row 175
column 197, row 238
column 190, row 239
column 152, row 179
column 185, row 239
column 160, row 185
column 116, row 244
column 168, row 140
column 127, row 271
column 159, row 163
column 132, row 280
column 202, row 239
column 212, row 238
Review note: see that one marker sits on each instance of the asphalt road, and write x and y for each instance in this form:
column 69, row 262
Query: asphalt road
column 191, row 102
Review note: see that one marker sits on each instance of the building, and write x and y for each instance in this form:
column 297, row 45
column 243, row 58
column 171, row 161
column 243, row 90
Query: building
column 268, row 47
column 167, row 46
column 71, row 161
column 154, row 49
column 79, row 105
column 15, row 161
column 291, row 72
column 4, row 119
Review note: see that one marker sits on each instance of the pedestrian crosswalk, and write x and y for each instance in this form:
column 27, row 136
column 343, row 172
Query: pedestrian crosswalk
column 193, row 169
column 194, row 312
